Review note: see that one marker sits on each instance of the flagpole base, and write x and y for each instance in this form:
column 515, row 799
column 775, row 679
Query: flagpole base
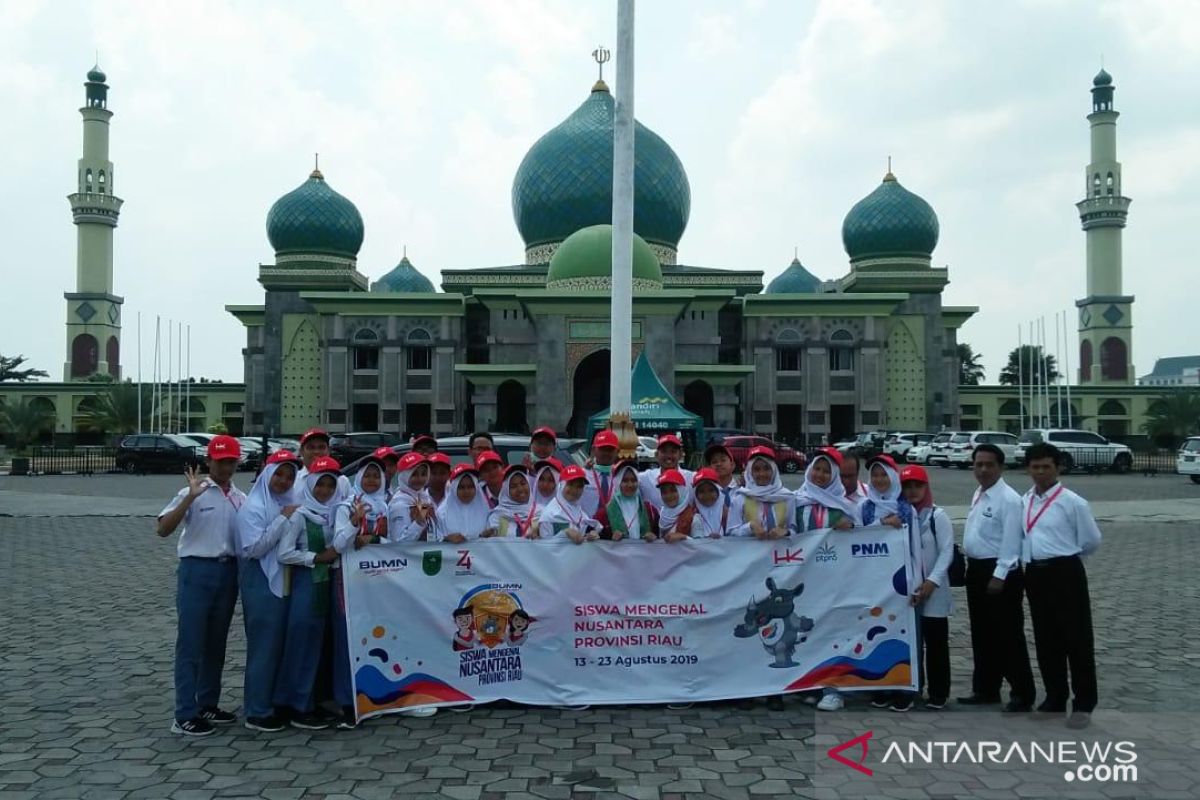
column 621, row 424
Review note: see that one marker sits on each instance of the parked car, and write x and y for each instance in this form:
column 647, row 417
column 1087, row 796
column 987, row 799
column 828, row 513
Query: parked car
column 350, row 446
column 159, row 452
column 1187, row 461
column 715, row 435
column 647, row 451
column 511, row 448
column 788, row 459
column 962, row 446
column 252, row 452
column 918, row 453
column 291, row 445
column 897, row 445
column 202, row 439
column 939, row 448
column 1084, row 449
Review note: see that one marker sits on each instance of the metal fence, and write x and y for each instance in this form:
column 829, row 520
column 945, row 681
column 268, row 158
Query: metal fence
column 65, row 460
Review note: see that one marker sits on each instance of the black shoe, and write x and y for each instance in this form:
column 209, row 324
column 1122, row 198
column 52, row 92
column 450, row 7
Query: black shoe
column 935, row 703
column 1017, row 707
column 882, row 700
column 679, row 706
column 196, row 726
column 271, row 724
column 775, row 702
column 309, row 721
column 902, row 704
column 347, row 722
column 217, row 717
column 979, row 700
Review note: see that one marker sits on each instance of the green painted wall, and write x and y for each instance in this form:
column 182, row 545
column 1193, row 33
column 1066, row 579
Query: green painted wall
column 301, row 373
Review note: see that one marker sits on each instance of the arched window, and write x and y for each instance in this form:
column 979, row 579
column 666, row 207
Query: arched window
column 1110, row 184
column 1112, row 408
column 1096, row 185
column 112, row 354
column 787, row 350
column 420, row 349
column 103, row 182
column 85, row 356
column 366, row 349
column 1011, row 408
column 1114, row 364
column 841, row 351
column 1085, row 360
column 87, row 180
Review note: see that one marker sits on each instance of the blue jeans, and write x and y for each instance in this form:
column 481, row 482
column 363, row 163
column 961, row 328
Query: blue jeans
column 265, row 616
column 302, row 644
column 206, row 591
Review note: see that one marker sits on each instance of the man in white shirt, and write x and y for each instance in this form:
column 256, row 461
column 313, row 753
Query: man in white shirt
column 668, row 454
column 996, row 587
column 1059, row 530
column 856, row 490
column 599, row 489
column 207, row 585
column 314, row 444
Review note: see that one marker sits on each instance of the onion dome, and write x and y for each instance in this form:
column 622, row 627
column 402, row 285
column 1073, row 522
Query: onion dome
column 584, row 261
column 1102, row 79
column 96, row 75
column 313, row 219
column 794, row 280
column 890, row 222
column 564, row 183
column 403, row 278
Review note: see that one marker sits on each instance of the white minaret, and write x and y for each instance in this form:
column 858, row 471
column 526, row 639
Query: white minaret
column 1105, row 314
column 93, row 311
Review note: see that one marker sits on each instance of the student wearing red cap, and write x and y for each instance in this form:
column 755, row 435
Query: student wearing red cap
column 463, row 515
column 668, row 455
column 545, row 485
column 821, row 500
column 628, row 515
column 599, row 487
column 439, row 476
column 306, row 550
column 719, row 458
column 388, row 457
column 710, row 519
column 314, row 444
column 424, row 444
column 490, row 467
column 206, row 585
column 512, row 518
column 762, row 507
column 565, row 516
column 542, row 443
column 410, row 509
column 675, row 517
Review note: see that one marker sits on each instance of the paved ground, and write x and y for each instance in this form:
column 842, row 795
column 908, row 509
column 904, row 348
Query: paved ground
column 85, row 688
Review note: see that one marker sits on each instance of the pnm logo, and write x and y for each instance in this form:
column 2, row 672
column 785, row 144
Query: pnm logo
column 825, row 553
column 869, row 550
column 789, row 557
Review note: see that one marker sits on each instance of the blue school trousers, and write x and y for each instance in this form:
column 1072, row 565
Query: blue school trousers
column 343, row 692
column 206, row 591
column 265, row 616
column 302, row 643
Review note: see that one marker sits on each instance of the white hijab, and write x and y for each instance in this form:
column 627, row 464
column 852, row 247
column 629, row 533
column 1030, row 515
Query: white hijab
column 773, row 492
column 561, row 509
column 319, row 512
column 630, row 506
column 831, row 496
column 537, row 499
column 507, row 508
column 376, row 501
column 258, row 512
column 669, row 515
column 404, row 495
column 711, row 515
column 888, row 502
column 455, row 516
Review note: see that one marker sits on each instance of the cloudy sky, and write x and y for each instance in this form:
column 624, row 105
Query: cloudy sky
column 783, row 113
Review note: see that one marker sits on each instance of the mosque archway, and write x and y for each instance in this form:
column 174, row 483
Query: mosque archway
column 510, row 408
column 590, row 385
column 698, row 399
column 85, row 356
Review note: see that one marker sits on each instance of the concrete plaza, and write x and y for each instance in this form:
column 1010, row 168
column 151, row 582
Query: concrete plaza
column 86, row 685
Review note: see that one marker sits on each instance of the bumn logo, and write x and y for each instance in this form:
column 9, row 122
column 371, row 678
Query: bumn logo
column 825, row 553
column 431, row 562
column 869, row 550
column 383, row 565
column 859, row 741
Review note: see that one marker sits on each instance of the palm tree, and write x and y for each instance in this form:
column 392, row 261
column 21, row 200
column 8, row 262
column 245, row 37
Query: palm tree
column 116, row 410
column 1027, row 359
column 25, row 421
column 970, row 371
column 1173, row 417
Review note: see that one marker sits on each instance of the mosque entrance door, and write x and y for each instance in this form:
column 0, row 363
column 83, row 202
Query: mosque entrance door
column 590, row 390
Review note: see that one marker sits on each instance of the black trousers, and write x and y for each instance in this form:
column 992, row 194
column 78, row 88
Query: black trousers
column 1061, row 610
column 998, row 633
column 933, row 645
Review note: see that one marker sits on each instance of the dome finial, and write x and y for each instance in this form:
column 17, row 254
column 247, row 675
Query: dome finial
column 602, row 56
column 316, row 173
column 889, row 176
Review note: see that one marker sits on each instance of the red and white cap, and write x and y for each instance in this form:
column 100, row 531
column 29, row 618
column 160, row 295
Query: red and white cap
column 914, row 472
column 438, row 458
column 671, row 476
column 223, row 447
column 311, row 433
column 486, row 457
column 283, row 457
column 462, row 469
column 552, row 462
column 572, row 473
column 324, row 464
column 410, row 461
column 545, row 430
column 705, row 474
column 606, row 439
column 384, row 453
column 670, row 438
column 424, row 438
column 762, row 451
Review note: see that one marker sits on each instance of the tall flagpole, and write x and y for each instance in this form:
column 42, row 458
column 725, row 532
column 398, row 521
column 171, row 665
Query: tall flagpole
column 188, row 401
column 179, row 425
column 1045, row 372
column 1021, row 376
column 1067, row 370
column 1058, row 412
column 156, row 403
column 621, row 330
column 139, row 368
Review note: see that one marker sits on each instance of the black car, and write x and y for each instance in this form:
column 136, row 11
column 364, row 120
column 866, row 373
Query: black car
column 347, row 447
column 158, row 452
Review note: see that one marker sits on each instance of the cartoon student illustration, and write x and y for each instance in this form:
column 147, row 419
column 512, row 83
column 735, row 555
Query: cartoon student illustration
column 464, row 637
column 518, row 627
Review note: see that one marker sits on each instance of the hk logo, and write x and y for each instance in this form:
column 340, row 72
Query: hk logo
column 825, row 553
column 869, row 550
column 789, row 557
column 859, row 744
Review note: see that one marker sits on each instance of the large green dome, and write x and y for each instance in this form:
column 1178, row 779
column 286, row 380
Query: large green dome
column 403, row 278
column 313, row 219
column 794, row 280
column 565, row 181
column 890, row 222
column 584, row 261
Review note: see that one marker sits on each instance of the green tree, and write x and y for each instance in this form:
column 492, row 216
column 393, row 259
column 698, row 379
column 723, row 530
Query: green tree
column 970, row 371
column 115, row 410
column 1173, row 417
column 25, row 421
column 10, row 370
column 1028, row 360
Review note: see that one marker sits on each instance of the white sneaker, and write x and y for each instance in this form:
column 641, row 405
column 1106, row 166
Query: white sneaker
column 831, row 702
column 425, row 711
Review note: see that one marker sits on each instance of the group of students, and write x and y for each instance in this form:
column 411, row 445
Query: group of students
column 280, row 548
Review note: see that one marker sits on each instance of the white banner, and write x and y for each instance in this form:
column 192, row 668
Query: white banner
column 555, row 623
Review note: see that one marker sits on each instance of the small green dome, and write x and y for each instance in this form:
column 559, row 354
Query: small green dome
column 565, row 181
column 403, row 278
column 584, row 261
column 890, row 222
column 96, row 75
column 314, row 219
column 1102, row 79
column 794, row 280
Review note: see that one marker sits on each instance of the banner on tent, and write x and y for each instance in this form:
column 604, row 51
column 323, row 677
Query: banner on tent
column 554, row 623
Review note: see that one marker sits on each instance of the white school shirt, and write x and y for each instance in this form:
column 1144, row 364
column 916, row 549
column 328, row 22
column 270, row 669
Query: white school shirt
column 648, row 481
column 591, row 499
column 1065, row 526
column 994, row 527
column 210, row 523
column 293, row 544
column 933, row 561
